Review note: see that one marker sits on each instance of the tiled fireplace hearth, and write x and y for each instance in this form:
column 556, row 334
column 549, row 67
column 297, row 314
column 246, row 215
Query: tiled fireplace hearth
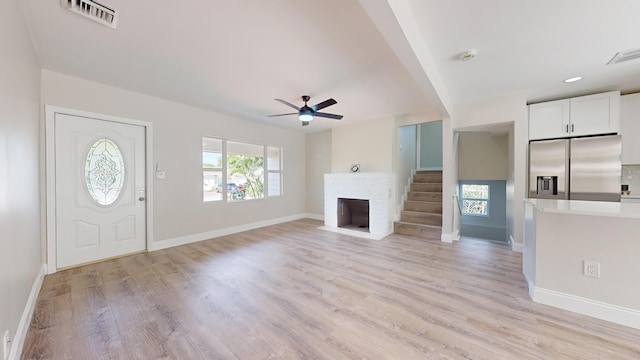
column 377, row 188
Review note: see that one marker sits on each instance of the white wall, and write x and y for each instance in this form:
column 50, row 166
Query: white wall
column 406, row 160
column 178, row 129
column 630, row 129
column 318, row 162
column 20, row 245
column 368, row 143
column 450, row 216
column 483, row 156
column 510, row 186
column 563, row 242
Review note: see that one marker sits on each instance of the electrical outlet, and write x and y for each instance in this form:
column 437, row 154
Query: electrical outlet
column 6, row 344
column 591, row 268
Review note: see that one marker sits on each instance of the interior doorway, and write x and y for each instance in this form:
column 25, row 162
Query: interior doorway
column 483, row 177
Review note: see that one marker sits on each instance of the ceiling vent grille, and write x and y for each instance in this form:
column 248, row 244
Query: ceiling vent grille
column 625, row 56
column 104, row 14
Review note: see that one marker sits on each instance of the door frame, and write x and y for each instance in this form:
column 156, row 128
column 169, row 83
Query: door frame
column 50, row 171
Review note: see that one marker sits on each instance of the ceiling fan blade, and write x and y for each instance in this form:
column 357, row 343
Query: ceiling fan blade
column 288, row 104
column 305, row 123
column 324, row 104
column 326, row 115
column 282, row 114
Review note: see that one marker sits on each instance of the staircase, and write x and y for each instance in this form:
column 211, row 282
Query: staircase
column 422, row 214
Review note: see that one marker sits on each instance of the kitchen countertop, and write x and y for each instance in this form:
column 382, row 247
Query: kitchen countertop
column 592, row 208
column 631, row 196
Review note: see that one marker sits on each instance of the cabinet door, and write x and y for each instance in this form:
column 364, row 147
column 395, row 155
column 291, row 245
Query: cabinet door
column 630, row 128
column 549, row 120
column 595, row 114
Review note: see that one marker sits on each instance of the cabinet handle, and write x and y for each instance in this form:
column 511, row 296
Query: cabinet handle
column 571, row 127
column 567, row 130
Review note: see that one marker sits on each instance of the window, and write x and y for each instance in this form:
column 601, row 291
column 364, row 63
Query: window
column 274, row 176
column 245, row 171
column 104, row 172
column 211, row 169
column 475, row 199
column 235, row 171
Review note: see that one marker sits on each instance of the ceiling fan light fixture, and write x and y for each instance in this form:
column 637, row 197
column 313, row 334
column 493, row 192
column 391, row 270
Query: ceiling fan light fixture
column 305, row 115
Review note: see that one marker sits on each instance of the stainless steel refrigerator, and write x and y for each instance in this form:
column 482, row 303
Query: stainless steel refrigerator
column 576, row 169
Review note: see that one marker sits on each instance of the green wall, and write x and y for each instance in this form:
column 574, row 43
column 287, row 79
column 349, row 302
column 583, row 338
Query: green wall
column 431, row 146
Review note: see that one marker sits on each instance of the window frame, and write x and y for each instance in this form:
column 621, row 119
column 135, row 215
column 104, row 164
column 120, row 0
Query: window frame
column 486, row 200
column 221, row 170
column 269, row 171
column 224, row 170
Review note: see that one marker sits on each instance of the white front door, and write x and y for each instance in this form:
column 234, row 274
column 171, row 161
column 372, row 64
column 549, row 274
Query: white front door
column 100, row 200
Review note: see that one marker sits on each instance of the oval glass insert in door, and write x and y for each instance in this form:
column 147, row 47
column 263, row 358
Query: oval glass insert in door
column 104, row 171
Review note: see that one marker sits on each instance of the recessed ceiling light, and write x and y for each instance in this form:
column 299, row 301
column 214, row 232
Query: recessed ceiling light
column 573, row 79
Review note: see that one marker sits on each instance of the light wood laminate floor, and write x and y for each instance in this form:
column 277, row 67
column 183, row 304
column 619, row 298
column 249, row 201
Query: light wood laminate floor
column 292, row 291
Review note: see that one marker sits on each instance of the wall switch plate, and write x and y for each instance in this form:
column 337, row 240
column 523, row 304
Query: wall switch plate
column 6, row 345
column 591, row 268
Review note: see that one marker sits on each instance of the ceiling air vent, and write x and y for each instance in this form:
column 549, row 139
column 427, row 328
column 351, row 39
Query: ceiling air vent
column 625, row 56
column 104, row 14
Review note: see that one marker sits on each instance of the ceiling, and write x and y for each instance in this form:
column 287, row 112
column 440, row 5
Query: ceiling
column 236, row 57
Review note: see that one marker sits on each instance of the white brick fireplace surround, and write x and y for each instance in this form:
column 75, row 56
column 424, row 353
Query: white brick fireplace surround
column 375, row 187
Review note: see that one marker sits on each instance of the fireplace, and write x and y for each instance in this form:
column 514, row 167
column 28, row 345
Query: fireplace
column 377, row 189
column 353, row 214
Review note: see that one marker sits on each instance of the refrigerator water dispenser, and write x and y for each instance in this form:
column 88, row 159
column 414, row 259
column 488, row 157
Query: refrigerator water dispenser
column 547, row 185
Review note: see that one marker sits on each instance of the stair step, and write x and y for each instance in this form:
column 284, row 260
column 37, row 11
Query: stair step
column 427, row 178
column 423, row 206
column 426, row 187
column 424, row 196
column 422, row 231
column 421, row 218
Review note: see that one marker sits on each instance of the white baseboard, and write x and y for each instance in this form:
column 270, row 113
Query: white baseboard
column 188, row 239
column 531, row 287
column 313, row 216
column 515, row 247
column 447, row 238
column 21, row 333
column 455, row 236
column 613, row 313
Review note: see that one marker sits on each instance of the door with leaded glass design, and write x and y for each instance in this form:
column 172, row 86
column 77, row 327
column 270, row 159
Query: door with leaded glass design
column 99, row 189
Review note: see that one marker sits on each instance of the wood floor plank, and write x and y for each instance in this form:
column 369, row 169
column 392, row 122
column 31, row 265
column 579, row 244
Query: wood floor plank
column 292, row 291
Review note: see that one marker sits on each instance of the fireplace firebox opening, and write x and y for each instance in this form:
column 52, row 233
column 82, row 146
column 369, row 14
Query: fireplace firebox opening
column 353, row 214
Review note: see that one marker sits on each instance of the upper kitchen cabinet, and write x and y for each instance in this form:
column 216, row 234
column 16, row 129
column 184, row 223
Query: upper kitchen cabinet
column 630, row 128
column 549, row 119
column 595, row 114
column 579, row 116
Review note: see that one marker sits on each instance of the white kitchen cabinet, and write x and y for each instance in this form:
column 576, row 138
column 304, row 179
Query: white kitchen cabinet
column 548, row 120
column 630, row 128
column 595, row 114
column 579, row 116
